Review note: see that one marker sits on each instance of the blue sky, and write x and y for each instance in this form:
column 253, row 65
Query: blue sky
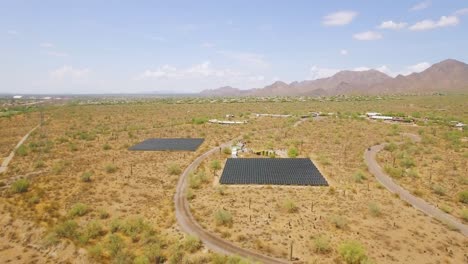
column 188, row 46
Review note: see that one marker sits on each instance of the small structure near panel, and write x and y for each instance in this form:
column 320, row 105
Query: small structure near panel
column 263, row 171
column 168, row 144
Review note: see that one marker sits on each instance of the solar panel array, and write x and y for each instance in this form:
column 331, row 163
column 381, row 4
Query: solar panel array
column 300, row 171
column 168, row 144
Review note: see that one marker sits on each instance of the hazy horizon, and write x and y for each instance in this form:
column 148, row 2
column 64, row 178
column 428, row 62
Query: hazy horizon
column 52, row 47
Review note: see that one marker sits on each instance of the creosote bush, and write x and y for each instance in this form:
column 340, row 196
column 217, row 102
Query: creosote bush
column 20, row 186
column 223, row 217
column 86, row 176
column 78, row 209
column 174, row 169
column 359, row 177
column 321, row 244
column 192, row 244
column 339, row 221
column 290, row 207
column 293, row 152
column 463, row 196
column 374, row 209
column 353, row 252
column 111, row 168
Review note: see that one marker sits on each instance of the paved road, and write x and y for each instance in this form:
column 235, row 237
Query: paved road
column 189, row 225
column 8, row 159
column 416, row 202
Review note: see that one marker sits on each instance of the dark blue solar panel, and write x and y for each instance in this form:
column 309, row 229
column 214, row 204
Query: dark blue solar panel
column 168, row 144
column 300, row 171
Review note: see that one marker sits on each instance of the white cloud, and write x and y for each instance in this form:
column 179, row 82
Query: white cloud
column 461, row 12
column 392, row 25
column 46, row 45
column 444, row 21
column 68, row 72
column 368, row 35
column 339, row 18
column 316, row 72
column 201, row 70
column 246, row 58
column 421, row 6
column 344, row 52
column 419, row 67
column 361, row 69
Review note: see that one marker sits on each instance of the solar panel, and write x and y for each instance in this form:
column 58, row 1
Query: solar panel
column 168, row 144
column 300, row 171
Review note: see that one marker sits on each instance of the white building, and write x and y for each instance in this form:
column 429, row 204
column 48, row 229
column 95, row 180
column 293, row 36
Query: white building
column 370, row 114
column 379, row 117
column 17, row 97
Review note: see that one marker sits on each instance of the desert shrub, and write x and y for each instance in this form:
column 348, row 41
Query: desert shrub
column 223, row 259
column 289, row 206
column 391, row 147
column 359, row 177
column 418, row 192
column 95, row 251
column 174, row 169
column 153, row 252
column 78, row 209
column 86, row 176
column 192, row 244
column 221, row 190
column 190, row 195
column 393, row 172
column 111, row 168
column 115, row 225
column 73, row 147
column 227, row 151
column 103, row 214
column 412, row 173
column 445, row 208
column 439, row 190
column 133, row 227
column 51, row 239
column 339, row 221
column 199, row 120
column 464, row 214
column 463, row 196
column 115, row 244
column 94, row 229
column 215, row 165
column 194, row 181
column 141, row 260
column 374, row 209
column 22, row 151
column 293, row 152
column 39, row 164
column 223, row 217
column 59, row 166
column 20, row 186
column 106, row 147
column 352, row 252
column 321, row 244
column 67, row 229
column 407, row 163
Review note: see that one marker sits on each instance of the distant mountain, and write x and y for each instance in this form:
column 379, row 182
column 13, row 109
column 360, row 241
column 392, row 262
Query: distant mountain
column 448, row 75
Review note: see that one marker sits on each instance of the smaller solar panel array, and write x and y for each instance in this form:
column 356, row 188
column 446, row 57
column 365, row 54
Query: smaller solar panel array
column 168, row 144
column 265, row 171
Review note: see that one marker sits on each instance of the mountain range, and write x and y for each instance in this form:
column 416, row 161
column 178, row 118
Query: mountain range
column 446, row 76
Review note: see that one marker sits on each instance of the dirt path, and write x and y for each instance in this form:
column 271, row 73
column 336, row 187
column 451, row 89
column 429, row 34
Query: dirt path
column 8, row 159
column 416, row 202
column 189, row 225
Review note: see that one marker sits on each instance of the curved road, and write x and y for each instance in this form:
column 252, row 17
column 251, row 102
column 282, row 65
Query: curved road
column 189, row 225
column 7, row 160
column 416, row 202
